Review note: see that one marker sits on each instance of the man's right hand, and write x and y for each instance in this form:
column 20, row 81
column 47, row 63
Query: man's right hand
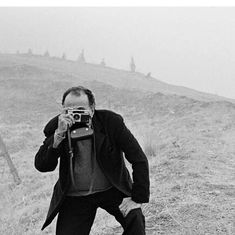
column 64, row 122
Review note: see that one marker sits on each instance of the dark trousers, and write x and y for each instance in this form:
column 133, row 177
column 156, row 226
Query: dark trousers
column 77, row 214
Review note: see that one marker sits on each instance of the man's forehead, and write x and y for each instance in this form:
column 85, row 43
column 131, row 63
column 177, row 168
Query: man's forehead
column 76, row 99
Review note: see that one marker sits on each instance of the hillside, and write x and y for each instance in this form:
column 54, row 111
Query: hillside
column 189, row 141
column 90, row 72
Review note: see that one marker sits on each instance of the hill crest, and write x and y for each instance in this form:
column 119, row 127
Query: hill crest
column 89, row 72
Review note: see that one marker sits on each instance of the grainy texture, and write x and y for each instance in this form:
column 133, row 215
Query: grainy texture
column 189, row 143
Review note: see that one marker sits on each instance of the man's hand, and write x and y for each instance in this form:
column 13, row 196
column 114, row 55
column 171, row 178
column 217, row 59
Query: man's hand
column 127, row 205
column 64, row 121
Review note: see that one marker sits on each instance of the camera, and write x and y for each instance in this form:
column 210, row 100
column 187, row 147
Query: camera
column 80, row 115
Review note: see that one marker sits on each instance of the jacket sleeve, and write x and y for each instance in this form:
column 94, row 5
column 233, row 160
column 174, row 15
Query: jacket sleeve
column 46, row 159
column 135, row 155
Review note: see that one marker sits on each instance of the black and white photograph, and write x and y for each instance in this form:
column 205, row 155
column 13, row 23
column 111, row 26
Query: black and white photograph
column 117, row 119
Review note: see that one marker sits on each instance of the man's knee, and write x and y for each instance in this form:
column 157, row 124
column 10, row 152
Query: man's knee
column 135, row 214
column 135, row 222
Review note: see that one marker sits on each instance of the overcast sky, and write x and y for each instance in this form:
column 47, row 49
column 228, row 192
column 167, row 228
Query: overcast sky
column 192, row 47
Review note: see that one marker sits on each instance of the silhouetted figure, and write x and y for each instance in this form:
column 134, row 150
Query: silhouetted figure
column 148, row 75
column 30, row 52
column 102, row 63
column 64, row 56
column 132, row 65
column 46, row 54
column 81, row 57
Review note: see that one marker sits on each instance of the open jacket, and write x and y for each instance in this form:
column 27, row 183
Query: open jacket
column 112, row 139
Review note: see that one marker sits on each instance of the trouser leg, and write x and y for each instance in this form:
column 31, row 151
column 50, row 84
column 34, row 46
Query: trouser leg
column 133, row 223
column 76, row 216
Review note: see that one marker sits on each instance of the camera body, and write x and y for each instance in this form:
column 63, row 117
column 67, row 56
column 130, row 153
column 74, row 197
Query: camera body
column 81, row 129
column 80, row 115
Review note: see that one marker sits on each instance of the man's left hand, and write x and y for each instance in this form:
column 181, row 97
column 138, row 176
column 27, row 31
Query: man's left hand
column 127, row 205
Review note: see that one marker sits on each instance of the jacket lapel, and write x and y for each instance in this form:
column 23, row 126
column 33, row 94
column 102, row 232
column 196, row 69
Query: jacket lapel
column 99, row 134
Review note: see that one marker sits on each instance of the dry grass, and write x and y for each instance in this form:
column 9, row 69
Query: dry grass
column 192, row 182
column 190, row 146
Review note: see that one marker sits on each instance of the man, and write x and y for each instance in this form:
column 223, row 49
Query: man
column 92, row 171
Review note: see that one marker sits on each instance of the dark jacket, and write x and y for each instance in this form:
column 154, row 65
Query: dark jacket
column 112, row 139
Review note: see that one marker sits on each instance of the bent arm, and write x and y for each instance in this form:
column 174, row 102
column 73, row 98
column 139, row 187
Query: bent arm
column 46, row 159
column 135, row 155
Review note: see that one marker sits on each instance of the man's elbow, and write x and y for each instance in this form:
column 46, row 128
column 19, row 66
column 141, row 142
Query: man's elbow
column 43, row 167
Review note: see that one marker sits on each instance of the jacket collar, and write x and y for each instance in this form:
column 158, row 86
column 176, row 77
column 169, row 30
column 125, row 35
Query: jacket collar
column 96, row 123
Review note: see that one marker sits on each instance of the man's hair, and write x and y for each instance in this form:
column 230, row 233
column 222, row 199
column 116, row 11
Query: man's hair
column 77, row 92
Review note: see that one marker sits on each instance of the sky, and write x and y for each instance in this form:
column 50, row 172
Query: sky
column 185, row 46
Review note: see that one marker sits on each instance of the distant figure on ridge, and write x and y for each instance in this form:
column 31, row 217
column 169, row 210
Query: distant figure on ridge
column 46, row 54
column 81, row 57
column 64, row 56
column 132, row 65
column 30, row 52
column 102, row 63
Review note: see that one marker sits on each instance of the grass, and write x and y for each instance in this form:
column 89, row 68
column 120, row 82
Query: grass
column 185, row 196
column 191, row 157
column 192, row 191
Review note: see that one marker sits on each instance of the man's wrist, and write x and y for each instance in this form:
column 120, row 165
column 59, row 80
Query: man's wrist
column 58, row 138
column 60, row 133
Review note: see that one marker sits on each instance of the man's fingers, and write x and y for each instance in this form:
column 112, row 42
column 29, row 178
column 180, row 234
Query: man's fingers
column 127, row 205
column 126, row 210
column 64, row 122
column 67, row 116
column 124, row 203
column 122, row 208
column 68, row 121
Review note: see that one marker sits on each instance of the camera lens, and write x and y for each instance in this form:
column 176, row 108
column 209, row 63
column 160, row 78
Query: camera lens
column 76, row 117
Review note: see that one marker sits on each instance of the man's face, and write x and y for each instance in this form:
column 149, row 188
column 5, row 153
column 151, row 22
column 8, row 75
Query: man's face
column 73, row 101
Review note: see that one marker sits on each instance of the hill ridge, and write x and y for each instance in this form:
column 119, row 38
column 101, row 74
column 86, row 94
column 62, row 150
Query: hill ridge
column 113, row 76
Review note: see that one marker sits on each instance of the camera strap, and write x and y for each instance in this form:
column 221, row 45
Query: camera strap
column 81, row 133
column 70, row 156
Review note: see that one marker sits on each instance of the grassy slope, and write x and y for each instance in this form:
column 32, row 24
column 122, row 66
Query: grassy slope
column 114, row 77
column 189, row 143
